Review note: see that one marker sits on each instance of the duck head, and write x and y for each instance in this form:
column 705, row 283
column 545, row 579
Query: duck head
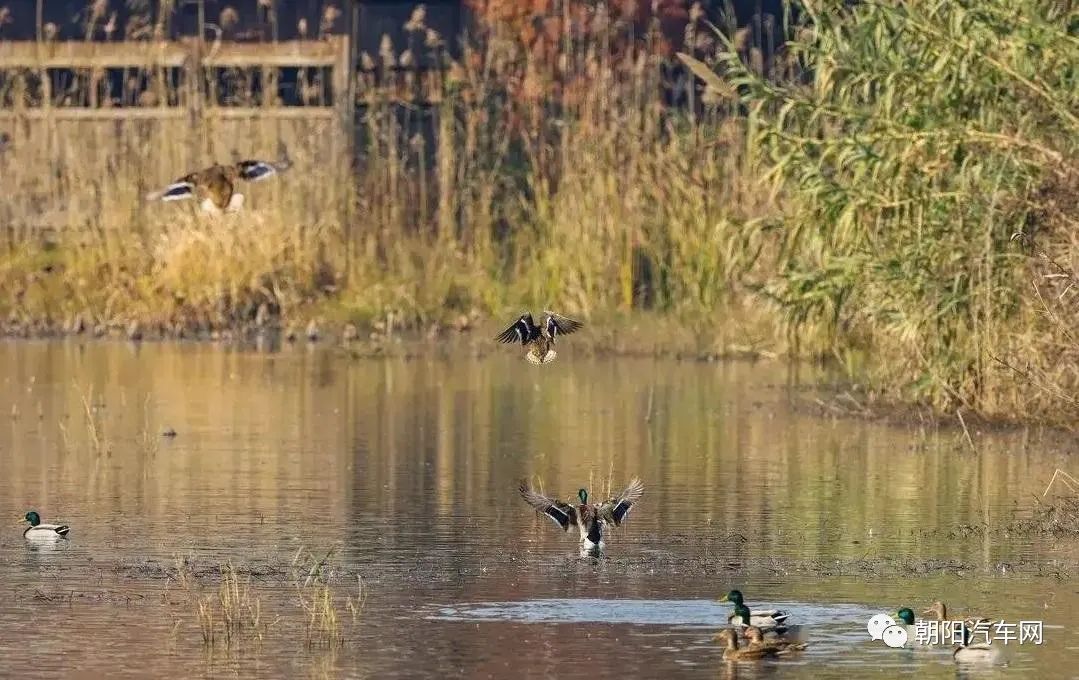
column 728, row 637
column 906, row 615
column 583, row 495
column 734, row 596
column 938, row 611
column 33, row 518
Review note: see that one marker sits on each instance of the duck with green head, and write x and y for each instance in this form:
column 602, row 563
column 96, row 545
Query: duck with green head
column 37, row 530
column 590, row 519
column 765, row 619
column 905, row 618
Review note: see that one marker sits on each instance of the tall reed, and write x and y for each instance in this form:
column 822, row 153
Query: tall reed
column 916, row 139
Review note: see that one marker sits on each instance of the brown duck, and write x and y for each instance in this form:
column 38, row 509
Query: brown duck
column 215, row 187
column 751, row 652
column 539, row 340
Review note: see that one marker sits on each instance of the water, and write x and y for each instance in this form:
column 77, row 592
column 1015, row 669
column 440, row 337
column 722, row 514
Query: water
column 408, row 469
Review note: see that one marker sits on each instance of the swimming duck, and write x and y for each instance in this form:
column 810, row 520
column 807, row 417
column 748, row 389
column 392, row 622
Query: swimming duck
column 765, row 619
column 905, row 618
column 755, row 636
column 540, row 341
column 747, row 653
column 977, row 652
column 215, row 186
column 37, row 530
column 939, row 612
column 590, row 519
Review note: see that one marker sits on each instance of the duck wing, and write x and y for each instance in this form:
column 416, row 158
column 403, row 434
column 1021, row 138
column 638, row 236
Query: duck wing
column 557, row 324
column 521, row 330
column 254, row 170
column 179, row 190
column 616, row 509
column 563, row 514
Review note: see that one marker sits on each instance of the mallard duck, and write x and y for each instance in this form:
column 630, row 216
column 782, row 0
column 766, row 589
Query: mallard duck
column 747, row 653
column 765, row 619
column 37, row 530
column 540, row 341
column 590, row 519
column 939, row 612
column 215, row 186
column 755, row 636
column 977, row 652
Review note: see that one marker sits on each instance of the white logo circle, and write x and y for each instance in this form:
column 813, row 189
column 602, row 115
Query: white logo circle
column 895, row 636
column 877, row 624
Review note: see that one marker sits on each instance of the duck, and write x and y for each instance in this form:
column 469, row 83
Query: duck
column 215, row 186
column 764, row 619
column 539, row 340
column 905, row 617
column 755, row 636
column 751, row 652
column 939, row 612
column 590, row 519
column 977, row 652
column 37, row 530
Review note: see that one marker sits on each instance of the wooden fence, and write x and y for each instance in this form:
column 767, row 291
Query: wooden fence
column 195, row 64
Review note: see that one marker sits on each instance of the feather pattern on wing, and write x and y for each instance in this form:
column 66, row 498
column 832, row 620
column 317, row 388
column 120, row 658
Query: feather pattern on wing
column 564, row 514
column 556, row 324
column 616, row 509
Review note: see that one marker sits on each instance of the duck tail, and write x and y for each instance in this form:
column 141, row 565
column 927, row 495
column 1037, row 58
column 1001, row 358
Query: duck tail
column 63, row 529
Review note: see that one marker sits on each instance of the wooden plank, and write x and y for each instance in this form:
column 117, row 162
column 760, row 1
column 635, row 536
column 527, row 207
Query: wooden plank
column 82, row 113
column 28, row 54
column 284, row 112
column 296, row 53
column 172, row 112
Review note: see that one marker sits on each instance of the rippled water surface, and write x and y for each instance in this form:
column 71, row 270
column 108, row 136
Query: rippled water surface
column 402, row 473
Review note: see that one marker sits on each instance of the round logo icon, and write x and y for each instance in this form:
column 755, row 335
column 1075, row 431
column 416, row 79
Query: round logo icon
column 877, row 624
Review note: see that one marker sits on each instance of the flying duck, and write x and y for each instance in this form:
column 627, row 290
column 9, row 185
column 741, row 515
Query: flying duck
column 215, row 186
column 540, row 341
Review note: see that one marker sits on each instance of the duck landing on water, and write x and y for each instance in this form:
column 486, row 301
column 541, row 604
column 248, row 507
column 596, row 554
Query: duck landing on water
column 215, row 187
column 540, row 341
column 590, row 519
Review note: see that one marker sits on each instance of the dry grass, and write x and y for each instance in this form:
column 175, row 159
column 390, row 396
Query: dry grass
column 483, row 205
column 329, row 620
column 790, row 206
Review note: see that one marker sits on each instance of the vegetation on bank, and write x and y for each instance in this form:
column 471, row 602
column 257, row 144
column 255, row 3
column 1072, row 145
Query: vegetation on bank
column 855, row 194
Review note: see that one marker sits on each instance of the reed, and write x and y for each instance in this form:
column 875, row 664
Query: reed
column 329, row 622
column 852, row 195
column 481, row 204
column 916, row 139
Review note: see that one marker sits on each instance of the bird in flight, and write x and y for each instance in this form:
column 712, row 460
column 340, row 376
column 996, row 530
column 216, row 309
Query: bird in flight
column 215, row 187
column 539, row 340
column 590, row 519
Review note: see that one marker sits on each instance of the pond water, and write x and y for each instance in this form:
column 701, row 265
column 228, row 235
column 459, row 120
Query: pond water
column 406, row 469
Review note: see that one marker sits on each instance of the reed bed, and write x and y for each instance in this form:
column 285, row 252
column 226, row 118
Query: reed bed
column 850, row 194
column 231, row 610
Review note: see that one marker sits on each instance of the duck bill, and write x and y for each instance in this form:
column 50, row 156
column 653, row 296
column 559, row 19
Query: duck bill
column 724, row 599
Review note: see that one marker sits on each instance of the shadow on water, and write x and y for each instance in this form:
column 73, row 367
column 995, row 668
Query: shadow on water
column 409, row 468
